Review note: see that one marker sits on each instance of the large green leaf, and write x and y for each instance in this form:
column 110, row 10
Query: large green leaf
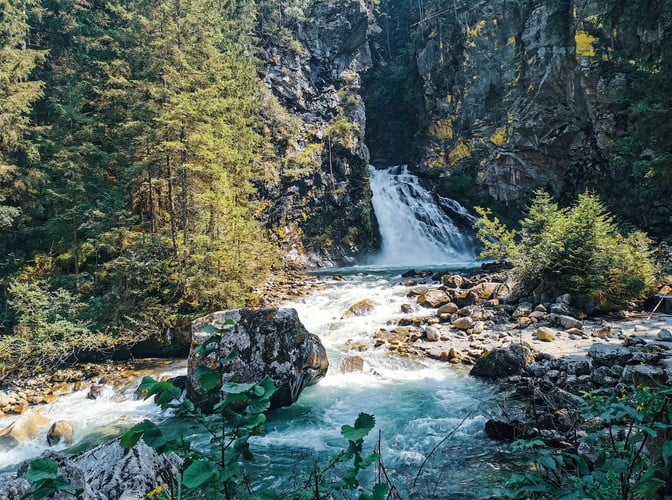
column 198, row 473
column 233, row 388
column 208, row 378
column 41, row 468
column 363, row 426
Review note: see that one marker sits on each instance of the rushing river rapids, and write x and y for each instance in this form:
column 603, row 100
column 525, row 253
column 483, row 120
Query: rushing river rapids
column 417, row 402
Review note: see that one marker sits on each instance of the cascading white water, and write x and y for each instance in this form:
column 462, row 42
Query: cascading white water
column 415, row 229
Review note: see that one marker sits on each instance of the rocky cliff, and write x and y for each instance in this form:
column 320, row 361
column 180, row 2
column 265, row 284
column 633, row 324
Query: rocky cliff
column 319, row 199
column 515, row 95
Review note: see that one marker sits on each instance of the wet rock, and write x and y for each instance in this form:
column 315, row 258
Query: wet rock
column 60, row 430
column 545, row 334
column 504, row 362
column 352, row 364
column 407, row 308
column 95, row 392
column 270, row 342
column 25, row 427
column 433, row 298
column 564, row 321
column 609, row 355
column 361, row 308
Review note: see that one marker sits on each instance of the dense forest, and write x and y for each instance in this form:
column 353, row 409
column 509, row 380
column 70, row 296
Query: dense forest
column 131, row 141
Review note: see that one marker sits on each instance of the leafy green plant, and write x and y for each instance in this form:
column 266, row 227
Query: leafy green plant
column 45, row 480
column 629, row 435
column 576, row 250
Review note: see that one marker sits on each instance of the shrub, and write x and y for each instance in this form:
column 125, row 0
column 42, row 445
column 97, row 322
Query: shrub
column 626, row 452
column 577, row 250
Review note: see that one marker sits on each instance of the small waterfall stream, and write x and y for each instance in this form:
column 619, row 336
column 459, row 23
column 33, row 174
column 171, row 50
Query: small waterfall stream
column 417, row 402
column 415, row 226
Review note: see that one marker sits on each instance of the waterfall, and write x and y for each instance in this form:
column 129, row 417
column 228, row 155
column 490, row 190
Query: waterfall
column 415, row 225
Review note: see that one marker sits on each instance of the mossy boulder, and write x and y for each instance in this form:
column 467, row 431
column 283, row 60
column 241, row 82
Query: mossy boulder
column 270, row 342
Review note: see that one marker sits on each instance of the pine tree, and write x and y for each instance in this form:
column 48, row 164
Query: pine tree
column 17, row 95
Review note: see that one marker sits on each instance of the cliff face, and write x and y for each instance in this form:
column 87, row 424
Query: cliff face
column 518, row 94
column 319, row 197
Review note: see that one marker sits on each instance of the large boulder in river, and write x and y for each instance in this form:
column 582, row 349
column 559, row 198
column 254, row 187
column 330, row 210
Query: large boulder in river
column 25, row 427
column 270, row 342
column 504, row 362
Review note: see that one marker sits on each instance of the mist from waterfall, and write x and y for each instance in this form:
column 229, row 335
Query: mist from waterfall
column 415, row 226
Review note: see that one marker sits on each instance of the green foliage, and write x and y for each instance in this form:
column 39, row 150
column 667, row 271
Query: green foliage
column 128, row 162
column 630, row 433
column 217, row 469
column 45, row 480
column 578, row 250
column 49, row 328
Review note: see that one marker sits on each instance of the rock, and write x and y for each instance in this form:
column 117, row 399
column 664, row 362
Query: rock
column 540, row 308
column 454, row 280
column 664, row 335
column 574, row 331
column 464, row 323
column 524, row 309
column 433, row 298
column 361, row 308
column 504, row 362
column 5, row 400
column 564, row 299
column 609, row 355
column 479, row 327
column 524, row 322
column 561, row 308
column 644, row 375
column 60, row 430
column 603, row 375
column 602, row 332
column 640, row 328
column 486, row 290
column 502, row 431
column 270, row 342
column 352, row 364
column 545, row 334
column 407, row 308
column 566, row 322
column 432, row 333
column 94, row 392
column 538, row 316
column 447, row 309
column 25, row 427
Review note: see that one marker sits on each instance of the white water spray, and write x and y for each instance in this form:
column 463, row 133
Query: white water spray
column 414, row 227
